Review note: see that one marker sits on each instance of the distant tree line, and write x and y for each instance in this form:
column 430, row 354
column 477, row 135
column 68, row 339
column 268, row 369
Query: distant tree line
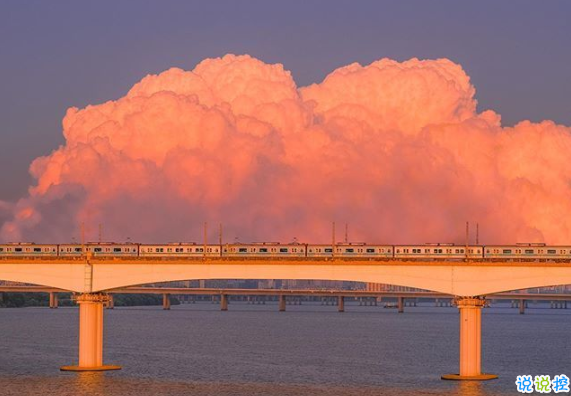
column 18, row 300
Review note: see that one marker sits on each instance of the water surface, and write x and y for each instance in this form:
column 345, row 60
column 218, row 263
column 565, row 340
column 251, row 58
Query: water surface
column 309, row 350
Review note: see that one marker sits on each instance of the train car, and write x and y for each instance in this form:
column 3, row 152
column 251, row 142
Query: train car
column 348, row 250
column 438, row 251
column 99, row 249
column 27, row 249
column 264, row 249
column 527, row 252
column 179, row 249
column 110, row 249
column 319, row 251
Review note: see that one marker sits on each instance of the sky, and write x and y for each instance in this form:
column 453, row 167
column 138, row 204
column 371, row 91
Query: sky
column 403, row 118
column 55, row 55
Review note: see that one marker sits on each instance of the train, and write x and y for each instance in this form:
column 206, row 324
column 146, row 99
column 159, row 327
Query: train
column 431, row 251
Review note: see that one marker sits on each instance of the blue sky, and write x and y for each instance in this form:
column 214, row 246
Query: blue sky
column 54, row 55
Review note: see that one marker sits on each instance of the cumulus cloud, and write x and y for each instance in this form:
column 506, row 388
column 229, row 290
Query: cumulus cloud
column 395, row 149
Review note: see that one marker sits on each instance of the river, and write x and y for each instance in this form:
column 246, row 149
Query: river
column 311, row 350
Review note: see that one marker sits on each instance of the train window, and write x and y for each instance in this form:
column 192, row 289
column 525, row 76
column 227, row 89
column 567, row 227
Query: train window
column 529, row 251
column 398, row 250
column 328, row 250
column 116, row 250
column 1, row 249
column 283, row 250
column 97, row 249
column 370, row 250
column 350, row 250
column 201, row 250
column 507, row 251
column 209, row 250
column 37, row 249
column 18, row 249
column 263, row 250
column 242, row 250
column 551, row 251
column 78, row 250
column 457, row 251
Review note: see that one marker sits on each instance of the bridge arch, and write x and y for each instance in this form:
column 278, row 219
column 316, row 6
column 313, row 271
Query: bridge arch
column 455, row 278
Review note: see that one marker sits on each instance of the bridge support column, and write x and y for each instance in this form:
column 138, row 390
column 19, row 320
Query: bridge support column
column 282, row 303
column 111, row 302
column 521, row 307
column 400, row 304
column 53, row 300
column 166, row 301
column 470, row 340
column 341, row 304
column 91, row 334
column 223, row 302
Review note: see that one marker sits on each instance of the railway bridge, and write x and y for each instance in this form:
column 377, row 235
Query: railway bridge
column 468, row 281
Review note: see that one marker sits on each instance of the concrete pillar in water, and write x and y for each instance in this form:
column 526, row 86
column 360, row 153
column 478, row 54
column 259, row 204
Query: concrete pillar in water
column 223, row 302
column 341, row 304
column 91, row 334
column 166, row 301
column 521, row 307
column 470, row 340
column 400, row 304
column 282, row 303
column 53, row 300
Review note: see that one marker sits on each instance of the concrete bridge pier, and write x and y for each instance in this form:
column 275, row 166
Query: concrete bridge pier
column 224, row 302
column 282, row 303
column 521, row 307
column 400, row 304
column 166, row 301
column 53, row 300
column 470, row 340
column 91, row 334
column 341, row 304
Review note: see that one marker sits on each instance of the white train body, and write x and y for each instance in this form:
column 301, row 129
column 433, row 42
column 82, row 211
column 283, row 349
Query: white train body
column 264, row 249
column 451, row 252
column 99, row 249
column 179, row 250
column 438, row 251
column 351, row 250
column 528, row 252
column 28, row 249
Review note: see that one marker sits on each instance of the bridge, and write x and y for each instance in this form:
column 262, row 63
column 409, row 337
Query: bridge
column 469, row 282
